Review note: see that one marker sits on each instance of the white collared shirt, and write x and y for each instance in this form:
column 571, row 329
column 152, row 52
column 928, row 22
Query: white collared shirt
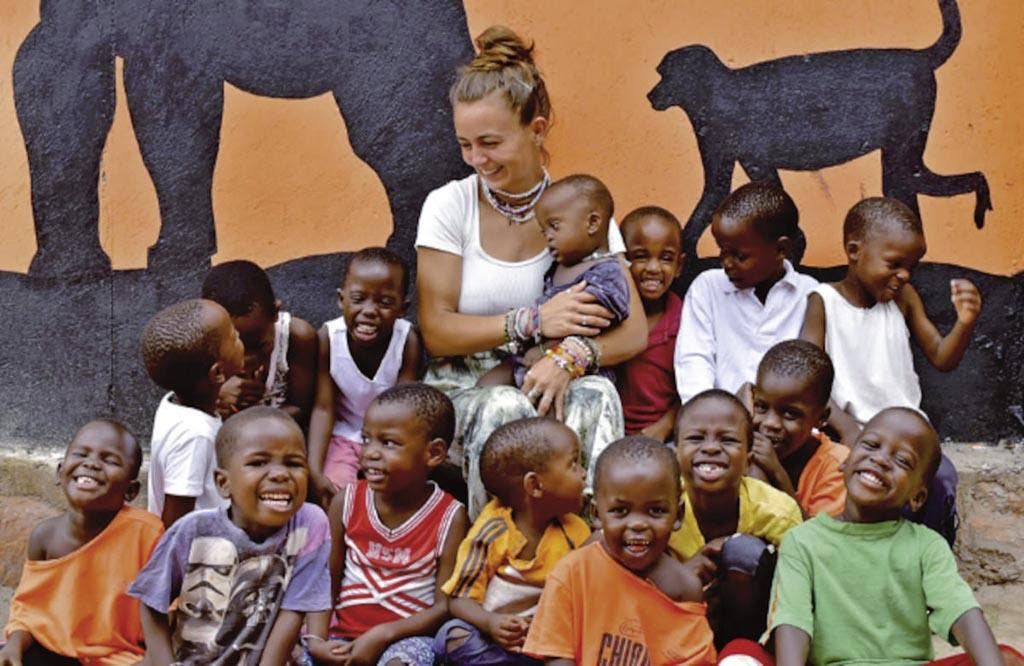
column 725, row 331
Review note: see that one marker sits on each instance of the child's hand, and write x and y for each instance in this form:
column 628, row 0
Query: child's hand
column 508, row 631
column 8, row 656
column 658, row 430
column 763, row 454
column 323, row 488
column 366, row 649
column 532, row 355
column 328, row 652
column 966, row 301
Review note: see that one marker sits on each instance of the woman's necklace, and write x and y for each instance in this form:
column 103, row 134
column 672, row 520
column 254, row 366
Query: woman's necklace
column 519, row 206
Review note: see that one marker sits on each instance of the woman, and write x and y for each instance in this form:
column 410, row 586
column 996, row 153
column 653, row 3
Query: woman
column 481, row 261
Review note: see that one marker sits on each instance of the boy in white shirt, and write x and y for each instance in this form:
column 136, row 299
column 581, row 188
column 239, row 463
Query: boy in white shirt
column 734, row 314
column 190, row 349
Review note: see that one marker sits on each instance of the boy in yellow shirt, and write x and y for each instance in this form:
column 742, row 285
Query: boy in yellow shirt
column 531, row 466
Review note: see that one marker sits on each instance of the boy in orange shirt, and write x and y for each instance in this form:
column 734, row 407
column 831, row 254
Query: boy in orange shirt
column 649, row 609
column 790, row 400
column 70, row 605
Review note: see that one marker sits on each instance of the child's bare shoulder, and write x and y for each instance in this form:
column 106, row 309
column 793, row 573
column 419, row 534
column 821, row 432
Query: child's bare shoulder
column 301, row 331
column 678, row 582
column 46, row 535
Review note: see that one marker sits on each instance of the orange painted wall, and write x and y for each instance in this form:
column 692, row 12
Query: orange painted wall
column 288, row 185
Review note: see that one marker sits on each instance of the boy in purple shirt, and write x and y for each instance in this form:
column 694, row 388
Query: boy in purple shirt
column 244, row 576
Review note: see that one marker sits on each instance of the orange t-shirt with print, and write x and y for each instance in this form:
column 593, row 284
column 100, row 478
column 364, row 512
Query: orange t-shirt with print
column 821, row 487
column 595, row 611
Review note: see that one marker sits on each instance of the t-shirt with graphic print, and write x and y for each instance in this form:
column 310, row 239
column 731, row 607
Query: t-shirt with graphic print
column 595, row 611
column 231, row 588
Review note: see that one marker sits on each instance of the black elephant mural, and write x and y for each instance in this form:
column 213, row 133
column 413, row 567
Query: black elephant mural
column 812, row 111
column 388, row 65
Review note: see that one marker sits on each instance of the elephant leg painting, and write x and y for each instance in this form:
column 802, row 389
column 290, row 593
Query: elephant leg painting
column 64, row 94
column 808, row 112
column 387, row 64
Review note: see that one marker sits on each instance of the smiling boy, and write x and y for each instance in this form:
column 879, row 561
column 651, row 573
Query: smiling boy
column 71, row 603
column 790, row 400
column 265, row 555
column 897, row 582
column 649, row 610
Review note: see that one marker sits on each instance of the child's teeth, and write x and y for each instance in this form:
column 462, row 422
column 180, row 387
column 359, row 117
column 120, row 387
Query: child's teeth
column 871, row 479
column 277, row 500
column 86, row 482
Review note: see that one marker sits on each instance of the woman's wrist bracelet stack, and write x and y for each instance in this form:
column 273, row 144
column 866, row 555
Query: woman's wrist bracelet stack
column 576, row 355
column 566, row 361
column 523, row 325
column 583, row 351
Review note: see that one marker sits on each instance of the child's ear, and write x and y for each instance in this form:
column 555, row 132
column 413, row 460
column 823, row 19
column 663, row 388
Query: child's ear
column 220, row 478
column 56, row 475
column 852, row 249
column 216, row 374
column 680, row 262
column 680, row 514
column 341, row 297
column 783, row 245
column 532, row 485
column 437, row 452
column 593, row 223
column 132, row 491
column 825, row 413
column 917, row 501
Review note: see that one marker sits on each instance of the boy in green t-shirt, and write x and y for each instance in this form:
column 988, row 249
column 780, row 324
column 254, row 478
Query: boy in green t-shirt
column 871, row 586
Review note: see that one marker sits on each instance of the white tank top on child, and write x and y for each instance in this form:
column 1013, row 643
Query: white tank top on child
column 277, row 376
column 870, row 349
column 355, row 390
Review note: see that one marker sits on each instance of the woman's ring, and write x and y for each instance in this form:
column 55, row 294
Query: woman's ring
column 583, row 323
column 533, row 395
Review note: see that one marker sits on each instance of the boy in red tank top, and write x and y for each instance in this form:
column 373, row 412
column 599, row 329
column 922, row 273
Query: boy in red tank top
column 395, row 535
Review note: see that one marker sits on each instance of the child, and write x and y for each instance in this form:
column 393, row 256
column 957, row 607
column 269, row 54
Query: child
column 532, row 468
column 70, row 604
column 623, row 599
column 732, row 315
column 395, row 535
column 190, row 349
column 713, row 441
column 865, row 321
column 280, row 350
column 790, row 400
column 574, row 214
column 897, row 582
column 646, row 382
column 245, row 575
column 367, row 349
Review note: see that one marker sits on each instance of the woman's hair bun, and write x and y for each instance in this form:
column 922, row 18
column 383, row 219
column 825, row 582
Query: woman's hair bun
column 500, row 47
column 504, row 63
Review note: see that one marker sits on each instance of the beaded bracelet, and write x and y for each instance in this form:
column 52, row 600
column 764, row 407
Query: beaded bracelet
column 595, row 353
column 584, row 350
column 565, row 361
column 523, row 325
